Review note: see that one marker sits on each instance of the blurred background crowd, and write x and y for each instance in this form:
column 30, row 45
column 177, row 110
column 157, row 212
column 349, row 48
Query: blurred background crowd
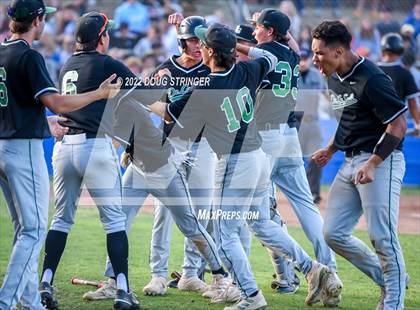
column 143, row 37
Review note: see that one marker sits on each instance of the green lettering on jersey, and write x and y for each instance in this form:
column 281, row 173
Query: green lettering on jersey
column 4, row 99
column 68, row 87
column 246, row 107
column 283, row 89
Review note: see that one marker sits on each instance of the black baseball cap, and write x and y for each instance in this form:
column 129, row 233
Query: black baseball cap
column 28, row 10
column 274, row 19
column 217, row 36
column 91, row 26
column 244, row 32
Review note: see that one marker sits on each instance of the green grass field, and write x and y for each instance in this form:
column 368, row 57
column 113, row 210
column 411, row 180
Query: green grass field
column 85, row 257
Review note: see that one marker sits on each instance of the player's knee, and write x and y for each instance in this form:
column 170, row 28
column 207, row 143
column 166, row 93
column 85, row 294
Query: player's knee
column 331, row 237
column 382, row 243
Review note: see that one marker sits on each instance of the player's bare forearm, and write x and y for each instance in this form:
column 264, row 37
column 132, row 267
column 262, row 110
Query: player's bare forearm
column 292, row 43
column 159, row 108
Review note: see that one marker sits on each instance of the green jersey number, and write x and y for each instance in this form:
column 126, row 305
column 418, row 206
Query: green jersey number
column 246, row 107
column 68, row 87
column 285, row 86
column 4, row 99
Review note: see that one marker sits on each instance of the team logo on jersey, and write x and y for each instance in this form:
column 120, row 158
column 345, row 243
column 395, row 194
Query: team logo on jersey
column 342, row 101
column 175, row 95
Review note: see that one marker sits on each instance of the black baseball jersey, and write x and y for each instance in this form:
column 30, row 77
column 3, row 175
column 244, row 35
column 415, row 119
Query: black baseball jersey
column 225, row 108
column 84, row 72
column 133, row 127
column 23, row 80
column 276, row 98
column 366, row 102
column 180, row 83
column 402, row 79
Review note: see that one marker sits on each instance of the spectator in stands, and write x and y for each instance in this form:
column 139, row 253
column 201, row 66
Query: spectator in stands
column 305, row 38
column 320, row 6
column 169, row 38
column 414, row 19
column 368, row 37
column 407, row 34
column 67, row 49
column 386, row 22
column 135, row 14
column 150, row 44
column 149, row 64
column 123, row 38
column 4, row 23
column 360, row 8
column 409, row 60
column 287, row 7
column 134, row 64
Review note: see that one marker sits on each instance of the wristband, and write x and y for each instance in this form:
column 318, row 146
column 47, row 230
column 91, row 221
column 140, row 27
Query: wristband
column 386, row 145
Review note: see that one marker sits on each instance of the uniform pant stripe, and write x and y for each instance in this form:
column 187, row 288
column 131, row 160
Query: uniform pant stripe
column 195, row 218
column 391, row 231
column 37, row 214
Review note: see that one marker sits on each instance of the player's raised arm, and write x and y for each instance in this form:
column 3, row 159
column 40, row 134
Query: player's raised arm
column 64, row 104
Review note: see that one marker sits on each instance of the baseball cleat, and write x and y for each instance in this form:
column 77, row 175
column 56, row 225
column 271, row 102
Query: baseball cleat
column 126, row 301
column 107, row 291
column 47, row 296
column 230, row 294
column 316, row 278
column 250, row 303
column 156, row 286
column 218, row 285
column 284, row 287
column 173, row 283
column 192, row 284
column 331, row 295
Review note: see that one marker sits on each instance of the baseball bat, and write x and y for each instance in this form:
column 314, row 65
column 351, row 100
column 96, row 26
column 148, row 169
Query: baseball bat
column 175, row 275
column 76, row 281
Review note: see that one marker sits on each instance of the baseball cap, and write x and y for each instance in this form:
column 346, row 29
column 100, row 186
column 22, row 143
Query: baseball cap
column 274, row 19
column 244, row 32
column 217, row 36
column 27, row 10
column 91, row 25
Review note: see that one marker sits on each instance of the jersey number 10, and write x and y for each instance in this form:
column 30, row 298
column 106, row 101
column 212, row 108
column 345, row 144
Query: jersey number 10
column 4, row 100
column 246, row 107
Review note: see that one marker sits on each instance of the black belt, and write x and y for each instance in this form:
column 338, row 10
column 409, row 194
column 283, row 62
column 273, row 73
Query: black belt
column 352, row 153
column 89, row 135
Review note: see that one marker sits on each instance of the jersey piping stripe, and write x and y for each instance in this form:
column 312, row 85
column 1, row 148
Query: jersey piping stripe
column 285, row 46
column 415, row 95
column 389, row 64
column 122, row 140
column 48, row 89
column 396, row 115
column 223, row 74
column 14, row 42
column 173, row 117
column 183, row 69
column 352, row 71
column 391, row 231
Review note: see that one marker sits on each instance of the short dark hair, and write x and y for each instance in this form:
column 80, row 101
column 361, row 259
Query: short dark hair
column 333, row 33
column 88, row 46
column 277, row 36
column 224, row 60
column 22, row 27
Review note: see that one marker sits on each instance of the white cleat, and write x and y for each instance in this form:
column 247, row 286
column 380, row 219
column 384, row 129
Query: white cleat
column 156, row 286
column 218, row 285
column 250, row 303
column 230, row 294
column 316, row 278
column 192, row 284
column 331, row 296
column 108, row 291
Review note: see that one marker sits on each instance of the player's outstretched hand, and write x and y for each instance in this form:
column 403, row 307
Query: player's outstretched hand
column 161, row 73
column 125, row 160
column 322, row 156
column 56, row 129
column 365, row 174
column 175, row 19
column 109, row 89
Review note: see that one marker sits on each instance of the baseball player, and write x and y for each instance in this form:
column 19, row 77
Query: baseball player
column 370, row 132
column 225, row 107
column 200, row 177
column 392, row 48
column 86, row 156
column 276, row 122
column 25, row 88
